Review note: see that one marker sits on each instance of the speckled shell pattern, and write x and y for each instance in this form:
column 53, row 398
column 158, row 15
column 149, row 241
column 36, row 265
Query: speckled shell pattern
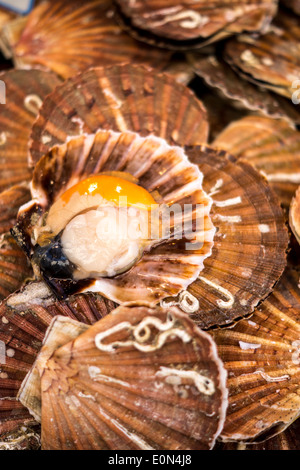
column 169, row 267
column 250, row 244
column 14, row 266
column 73, row 36
column 261, row 356
column 197, row 20
column 120, row 98
column 276, row 153
column 24, row 93
column 24, row 319
column 140, row 379
column 272, row 60
column 239, row 92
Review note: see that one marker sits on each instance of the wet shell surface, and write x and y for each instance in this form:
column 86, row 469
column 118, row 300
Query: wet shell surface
column 68, row 37
column 26, row 438
column 140, row 379
column 24, row 319
column 25, row 91
column 295, row 215
column 120, row 98
column 275, row 151
column 241, row 93
column 249, row 252
column 272, row 60
column 168, row 267
column 180, row 21
column 261, row 356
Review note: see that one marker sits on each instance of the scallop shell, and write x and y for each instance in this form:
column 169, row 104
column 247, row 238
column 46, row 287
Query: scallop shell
column 286, row 440
column 239, row 92
column 293, row 4
column 25, row 91
column 69, row 37
column 261, row 355
column 10, row 202
column 167, row 268
column 14, row 266
column 120, row 98
column 275, row 151
column 249, row 252
column 180, row 24
column 24, row 319
column 138, row 379
column 272, row 60
column 25, row 438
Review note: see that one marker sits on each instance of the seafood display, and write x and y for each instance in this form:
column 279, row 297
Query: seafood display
column 149, row 225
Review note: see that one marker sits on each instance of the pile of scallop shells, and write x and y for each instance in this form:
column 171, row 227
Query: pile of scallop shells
column 191, row 342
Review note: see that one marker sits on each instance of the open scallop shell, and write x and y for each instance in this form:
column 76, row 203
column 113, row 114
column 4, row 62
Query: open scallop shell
column 261, row 355
column 295, row 215
column 239, row 92
column 274, row 151
column 272, row 60
column 169, row 267
column 24, row 319
column 178, row 24
column 25, row 91
column 249, row 252
column 120, row 98
column 138, row 379
column 70, row 36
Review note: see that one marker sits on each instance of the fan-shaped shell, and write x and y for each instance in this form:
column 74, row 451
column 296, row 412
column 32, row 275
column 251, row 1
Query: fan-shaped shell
column 221, row 78
column 166, row 269
column 68, row 37
column 295, row 215
column 249, row 252
column 274, row 151
column 272, row 60
column 261, row 355
column 24, row 319
column 140, row 379
column 180, row 21
column 25, row 91
column 120, row 98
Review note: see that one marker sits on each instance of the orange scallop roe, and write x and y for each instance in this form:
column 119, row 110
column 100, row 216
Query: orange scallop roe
column 113, row 189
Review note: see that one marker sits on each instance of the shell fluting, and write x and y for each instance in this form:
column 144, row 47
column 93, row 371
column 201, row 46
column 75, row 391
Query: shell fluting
column 140, row 379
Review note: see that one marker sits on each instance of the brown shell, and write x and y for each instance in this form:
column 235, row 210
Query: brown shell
column 138, row 379
column 25, row 438
column 275, row 151
column 182, row 21
column 24, row 319
column 295, row 215
column 70, row 36
column 249, row 252
column 10, row 34
column 272, row 60
column 120, row 98
column 286, row 440
column 25, row 91
column 293, row 4
column 261, row 356
column 167, row 268
column 14, row 266
column 241, row 93
column 10, row 202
